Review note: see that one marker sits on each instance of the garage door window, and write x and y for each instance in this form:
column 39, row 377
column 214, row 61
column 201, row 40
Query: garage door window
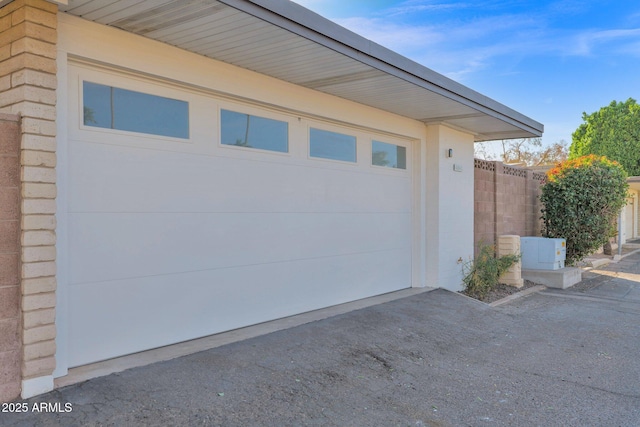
column 332, row 145
column 388, row 155
column 121, row 109
column 245, row 130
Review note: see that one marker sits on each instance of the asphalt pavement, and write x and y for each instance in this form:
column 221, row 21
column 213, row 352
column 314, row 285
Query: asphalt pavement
column 552, row 358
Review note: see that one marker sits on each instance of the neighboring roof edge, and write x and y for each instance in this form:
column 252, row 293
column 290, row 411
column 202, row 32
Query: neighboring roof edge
column 634, row 182
column 310, row 25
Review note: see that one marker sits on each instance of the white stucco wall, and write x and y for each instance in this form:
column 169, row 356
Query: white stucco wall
column 636, row 229
column 449, row 213
column 630, row 217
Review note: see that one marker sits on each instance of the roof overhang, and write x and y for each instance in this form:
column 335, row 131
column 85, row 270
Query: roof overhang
column 284, row 40
column 634, row 182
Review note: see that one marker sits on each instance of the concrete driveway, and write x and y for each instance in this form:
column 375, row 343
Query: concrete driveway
column 554, row 358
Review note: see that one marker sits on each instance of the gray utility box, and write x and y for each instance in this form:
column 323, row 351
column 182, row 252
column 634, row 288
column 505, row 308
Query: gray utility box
column 541, row 253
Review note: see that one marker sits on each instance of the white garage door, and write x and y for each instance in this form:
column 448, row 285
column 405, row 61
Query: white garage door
column 189, row 216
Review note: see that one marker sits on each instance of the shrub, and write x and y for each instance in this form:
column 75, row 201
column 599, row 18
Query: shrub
column 482, row 274
column 582, row 198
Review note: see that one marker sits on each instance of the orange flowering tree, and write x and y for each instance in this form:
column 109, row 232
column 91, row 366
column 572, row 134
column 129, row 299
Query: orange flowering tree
column 582, row 198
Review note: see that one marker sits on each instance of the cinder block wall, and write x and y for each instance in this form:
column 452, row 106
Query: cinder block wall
column 484, row 218
column 28, row 81
column 511, row 200
column 506, row 201
column 534, row 206
column 10, row 322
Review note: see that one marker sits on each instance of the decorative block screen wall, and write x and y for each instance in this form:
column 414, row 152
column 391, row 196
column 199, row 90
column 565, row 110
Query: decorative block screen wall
column 506, row 200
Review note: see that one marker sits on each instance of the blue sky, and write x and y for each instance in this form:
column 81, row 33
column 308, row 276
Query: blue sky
column 550, row 60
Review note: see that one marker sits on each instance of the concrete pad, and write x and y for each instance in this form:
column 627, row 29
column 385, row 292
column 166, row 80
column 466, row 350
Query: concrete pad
column 561, row 278
column 517, row 295
column 599, row 262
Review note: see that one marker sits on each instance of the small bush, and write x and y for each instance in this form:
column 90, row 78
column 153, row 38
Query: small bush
column 582, row 198
column 482, row 274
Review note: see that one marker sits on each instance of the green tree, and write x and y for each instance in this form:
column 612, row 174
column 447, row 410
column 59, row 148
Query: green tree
column 614, row 132
column 582, row 198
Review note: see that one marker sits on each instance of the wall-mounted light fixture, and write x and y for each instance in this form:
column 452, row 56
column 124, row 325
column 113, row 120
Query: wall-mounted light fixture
column 450, row 152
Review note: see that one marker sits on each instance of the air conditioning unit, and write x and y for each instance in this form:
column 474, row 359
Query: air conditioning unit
column 542, row 253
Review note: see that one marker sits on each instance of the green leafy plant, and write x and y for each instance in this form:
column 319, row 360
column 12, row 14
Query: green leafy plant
column 612, row 131
column 582, row 198
column 482, row 274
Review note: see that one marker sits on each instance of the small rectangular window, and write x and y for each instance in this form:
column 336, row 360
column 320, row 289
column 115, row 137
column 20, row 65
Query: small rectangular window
column 332, row 145
column 245, row 130
column 121, row 109
column 388, row 155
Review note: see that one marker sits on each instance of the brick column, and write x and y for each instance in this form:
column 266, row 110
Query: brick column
column 28, row 36
column 10, row 317
column 510, row 245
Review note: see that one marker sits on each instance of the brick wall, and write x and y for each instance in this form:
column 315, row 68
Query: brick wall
column 28, row 36
column 484, row 218
column 10, row 325
column 506, row 201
